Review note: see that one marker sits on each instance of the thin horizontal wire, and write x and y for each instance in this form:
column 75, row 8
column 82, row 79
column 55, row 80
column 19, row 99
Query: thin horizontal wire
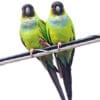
column 52, row 49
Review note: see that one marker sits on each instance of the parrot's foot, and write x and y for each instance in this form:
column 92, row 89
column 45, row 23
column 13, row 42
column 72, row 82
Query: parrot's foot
column 31, row 52
column 44, row 43
column 59, row 45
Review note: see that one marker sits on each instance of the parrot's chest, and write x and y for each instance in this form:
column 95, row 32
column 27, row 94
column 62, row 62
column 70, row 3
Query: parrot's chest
column 28, row 25
column 59, row 30
column 31, row 38
column 59, row 36
column 58, row 21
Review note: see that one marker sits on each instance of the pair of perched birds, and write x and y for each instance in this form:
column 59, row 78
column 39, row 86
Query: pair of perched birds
column 35, row 34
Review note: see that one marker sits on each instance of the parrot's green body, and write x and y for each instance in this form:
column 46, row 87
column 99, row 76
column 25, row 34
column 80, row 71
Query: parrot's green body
column 31, row 35
column 33, row 29
column 60, row 29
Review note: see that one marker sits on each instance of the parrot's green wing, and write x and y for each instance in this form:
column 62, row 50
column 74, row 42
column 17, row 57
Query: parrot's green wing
column 73, row 50
column 42, row 27
column 73, row 30
column 48, row 34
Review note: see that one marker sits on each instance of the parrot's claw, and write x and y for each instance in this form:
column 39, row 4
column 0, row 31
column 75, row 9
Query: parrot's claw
column 31, row 52
column 59, row 45
column 44, row 43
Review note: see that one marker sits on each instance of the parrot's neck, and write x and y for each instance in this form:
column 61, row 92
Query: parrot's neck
column 29, row 24
column 58, row 20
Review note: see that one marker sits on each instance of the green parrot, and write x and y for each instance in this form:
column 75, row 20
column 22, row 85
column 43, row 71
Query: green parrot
column 60, row 30
column 32, row 32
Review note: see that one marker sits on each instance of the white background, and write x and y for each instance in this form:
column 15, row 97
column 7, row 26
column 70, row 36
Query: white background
column 28, row 80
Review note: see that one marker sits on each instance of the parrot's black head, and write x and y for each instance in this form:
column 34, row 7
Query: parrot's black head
column 57, row 8
column 28, row 10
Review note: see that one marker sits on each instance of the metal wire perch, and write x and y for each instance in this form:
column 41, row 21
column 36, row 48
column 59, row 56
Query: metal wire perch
column 52, row 49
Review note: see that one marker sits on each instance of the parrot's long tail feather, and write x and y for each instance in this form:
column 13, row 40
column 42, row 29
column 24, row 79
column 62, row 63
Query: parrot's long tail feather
column 55, row 80
column 48, row 63
column 65, row 70
column 67, row 79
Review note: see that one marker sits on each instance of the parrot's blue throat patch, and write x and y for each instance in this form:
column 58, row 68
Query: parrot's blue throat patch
column 58, row 21
column 29, row 24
